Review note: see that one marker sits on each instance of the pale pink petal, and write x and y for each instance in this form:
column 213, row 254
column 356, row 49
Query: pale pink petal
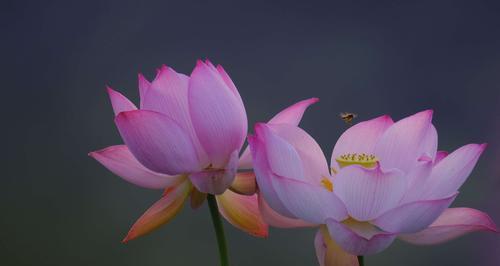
column 417, row 178
column 404, row 142
column 309, row 202
column 360, row 138
column 243, row 212
column 162, row 211
column 144, row 85
column 440, row 155
column 313, row 160
column 330, row 253
column 413, row 217
column 282, row 157
column 264, row 175
column 357, row 241
column 453, row 223
column 244, row 183
column 420, row 170
column 367, row 193
column 292, row 115
column 119, row 160
column 119, row 102
column 275, row 219
column 216, row 181
column 219, row 118
column 451, row 172
column 430, row 142
column 168, row 94
column 157, row 142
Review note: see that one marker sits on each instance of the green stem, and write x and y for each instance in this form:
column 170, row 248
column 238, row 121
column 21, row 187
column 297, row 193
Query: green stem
column 361, row 260
column 219, row 230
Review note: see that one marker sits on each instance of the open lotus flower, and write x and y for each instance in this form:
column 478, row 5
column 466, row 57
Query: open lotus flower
column 185, row 139
column 386, row 180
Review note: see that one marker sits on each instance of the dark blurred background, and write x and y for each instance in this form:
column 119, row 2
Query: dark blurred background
column 59, row 207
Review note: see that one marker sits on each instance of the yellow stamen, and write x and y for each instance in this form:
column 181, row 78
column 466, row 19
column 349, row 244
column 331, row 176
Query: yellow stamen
column 334, row 171
column 365, row 160
column 327, row 184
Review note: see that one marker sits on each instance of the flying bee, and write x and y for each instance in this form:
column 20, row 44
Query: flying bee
column 347, row 117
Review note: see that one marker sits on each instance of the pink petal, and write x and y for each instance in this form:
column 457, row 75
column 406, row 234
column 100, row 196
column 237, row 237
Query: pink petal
column 430, row 142
column 418, row 177
column 330, row 253
column 119, row 160
column 367, row 193
column 264, row 175
column 420, row 170
column 313, row 160
column 197, row 198
column 161, row 212
column 360, row 138
column 453, row 223
column 157, row 142
column 144, row 85
column 245, row 161
column 244, row 183
column 359, row 242
column 218, row 116
column 242, row 212
column 168, row 94
column 311, row 203
column 451, row 172
column 292, row 115
column 321, row 247
column 404, row 142
column 229, row 83
column 275, row 219
column 440, row 155
column 216, row 181
column 413, row 217
column 119, row 102
column 282, row 157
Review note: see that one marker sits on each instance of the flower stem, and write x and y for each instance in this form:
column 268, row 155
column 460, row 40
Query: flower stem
column 361, row 260
column 219, row 230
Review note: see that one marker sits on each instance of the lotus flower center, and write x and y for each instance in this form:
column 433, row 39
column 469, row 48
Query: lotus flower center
column 363, row 159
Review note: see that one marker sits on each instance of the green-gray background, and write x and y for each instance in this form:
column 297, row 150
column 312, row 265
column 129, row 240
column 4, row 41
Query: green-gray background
column 59, row 207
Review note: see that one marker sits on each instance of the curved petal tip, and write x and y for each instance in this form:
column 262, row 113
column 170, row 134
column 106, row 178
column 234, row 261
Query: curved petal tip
column 161, row 212
column 243, row 212
column 453, row 223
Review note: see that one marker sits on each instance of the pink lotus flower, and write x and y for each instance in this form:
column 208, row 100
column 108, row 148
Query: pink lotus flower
column 387, row 180
column 188, row 132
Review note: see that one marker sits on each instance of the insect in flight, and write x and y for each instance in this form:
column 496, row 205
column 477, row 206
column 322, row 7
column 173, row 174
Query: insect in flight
column 348, row 117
